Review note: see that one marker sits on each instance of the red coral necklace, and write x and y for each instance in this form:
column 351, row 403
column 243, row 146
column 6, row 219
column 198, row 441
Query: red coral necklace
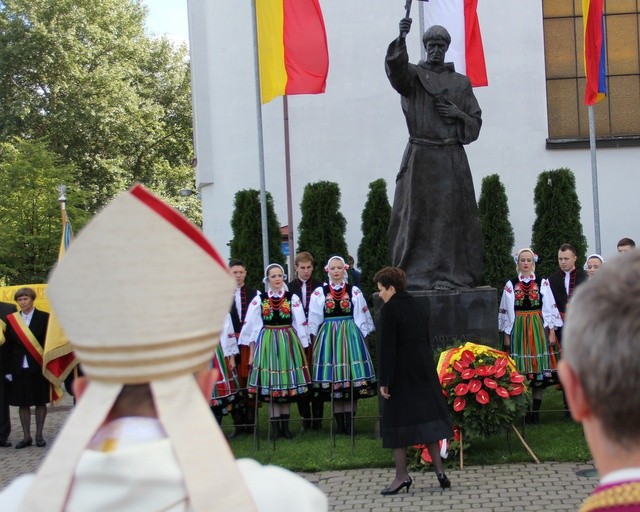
column 526, row 287
column 275, row 302
column 338, row 295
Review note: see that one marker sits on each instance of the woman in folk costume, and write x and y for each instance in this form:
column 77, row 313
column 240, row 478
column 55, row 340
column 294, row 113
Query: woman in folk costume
column 226, row 393
column 134, row 339
column 526, row 309
column 593, row 265
column 275, row 329
column 342, row 370
column 25, row 335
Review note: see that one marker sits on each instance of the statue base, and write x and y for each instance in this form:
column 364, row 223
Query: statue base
column 457, row 316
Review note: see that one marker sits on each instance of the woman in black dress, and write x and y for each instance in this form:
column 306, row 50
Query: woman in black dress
column 26, row 333
column 414, row 410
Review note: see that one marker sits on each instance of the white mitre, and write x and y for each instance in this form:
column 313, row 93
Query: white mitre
column 121, row 294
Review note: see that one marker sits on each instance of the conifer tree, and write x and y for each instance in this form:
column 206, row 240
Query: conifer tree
column 247, row 235
column 322, row 227
column 373, row 253
column 557, row 219
column 497, row 233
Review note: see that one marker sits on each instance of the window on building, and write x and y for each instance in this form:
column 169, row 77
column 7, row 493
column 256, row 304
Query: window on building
column 618, row 115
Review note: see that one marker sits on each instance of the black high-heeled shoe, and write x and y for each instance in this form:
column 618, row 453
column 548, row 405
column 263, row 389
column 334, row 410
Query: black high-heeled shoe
column 389, row 492
column 445, row 483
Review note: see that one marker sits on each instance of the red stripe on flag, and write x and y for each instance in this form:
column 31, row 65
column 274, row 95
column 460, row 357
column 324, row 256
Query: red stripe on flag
column 474, row 53
column 305, row 47
column 593, row 51
column 60, row 365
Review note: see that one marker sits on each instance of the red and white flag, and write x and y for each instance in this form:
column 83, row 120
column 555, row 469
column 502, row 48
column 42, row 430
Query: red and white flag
column 460, row 18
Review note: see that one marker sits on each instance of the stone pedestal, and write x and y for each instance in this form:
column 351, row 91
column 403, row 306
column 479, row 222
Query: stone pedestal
column 466, row 314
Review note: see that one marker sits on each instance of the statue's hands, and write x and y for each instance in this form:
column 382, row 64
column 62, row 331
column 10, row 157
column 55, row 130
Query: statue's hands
column 448, row 109
column 405, row 27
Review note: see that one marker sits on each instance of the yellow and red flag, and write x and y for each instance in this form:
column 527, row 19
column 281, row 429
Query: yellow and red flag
column 58, row 357
column 292, row 48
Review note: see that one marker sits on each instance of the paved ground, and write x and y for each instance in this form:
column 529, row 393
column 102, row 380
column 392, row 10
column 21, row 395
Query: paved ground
column 502, row 488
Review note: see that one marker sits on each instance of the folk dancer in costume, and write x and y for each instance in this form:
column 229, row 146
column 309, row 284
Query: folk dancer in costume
column 526, row 309
column 342, row 370
column 244, row 412
column 275, row 330
column 141, row 436
column 563, row 285
column 598, row 371
column 625, row 245
column 226, row 395
column 311, row 406
column 6, row 309
column 593, row 265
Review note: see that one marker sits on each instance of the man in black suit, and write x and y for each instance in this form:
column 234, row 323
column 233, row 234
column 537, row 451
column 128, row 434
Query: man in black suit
column 243, row 417
column 6, row 308
column 311, row 409
column 564, row 282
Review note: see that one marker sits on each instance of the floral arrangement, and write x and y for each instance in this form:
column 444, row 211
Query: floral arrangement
column 481, row 385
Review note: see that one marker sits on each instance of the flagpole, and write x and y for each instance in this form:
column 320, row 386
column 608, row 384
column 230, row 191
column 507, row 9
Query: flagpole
column 62, row 199
column 263, row 188
column 287, row 165
column 594, row 176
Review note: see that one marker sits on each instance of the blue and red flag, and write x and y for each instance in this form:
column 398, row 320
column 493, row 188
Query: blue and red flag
column 594, row 51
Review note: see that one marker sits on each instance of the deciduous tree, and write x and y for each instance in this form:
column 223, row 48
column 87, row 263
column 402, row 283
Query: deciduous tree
column 30, row 218
column 109, row 99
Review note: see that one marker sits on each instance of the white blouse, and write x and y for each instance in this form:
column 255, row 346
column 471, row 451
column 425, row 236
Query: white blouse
column 507, row 313
column 228, row 339
column 253, row 323
column 361, row 314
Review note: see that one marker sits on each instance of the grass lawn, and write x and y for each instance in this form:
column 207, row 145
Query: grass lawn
column 554, row 439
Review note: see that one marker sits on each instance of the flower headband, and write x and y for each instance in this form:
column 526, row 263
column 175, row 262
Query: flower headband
column 346, row 265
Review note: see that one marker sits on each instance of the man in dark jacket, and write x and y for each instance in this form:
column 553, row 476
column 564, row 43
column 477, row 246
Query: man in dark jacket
column 6, row 308
column 243, row 416
column 311, row 409
column 564, row 282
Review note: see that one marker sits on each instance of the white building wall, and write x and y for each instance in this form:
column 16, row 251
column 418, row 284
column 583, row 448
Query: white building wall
column 355, row 132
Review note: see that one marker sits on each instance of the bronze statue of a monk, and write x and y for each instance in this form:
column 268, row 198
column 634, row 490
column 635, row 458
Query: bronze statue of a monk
column 434, row 233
